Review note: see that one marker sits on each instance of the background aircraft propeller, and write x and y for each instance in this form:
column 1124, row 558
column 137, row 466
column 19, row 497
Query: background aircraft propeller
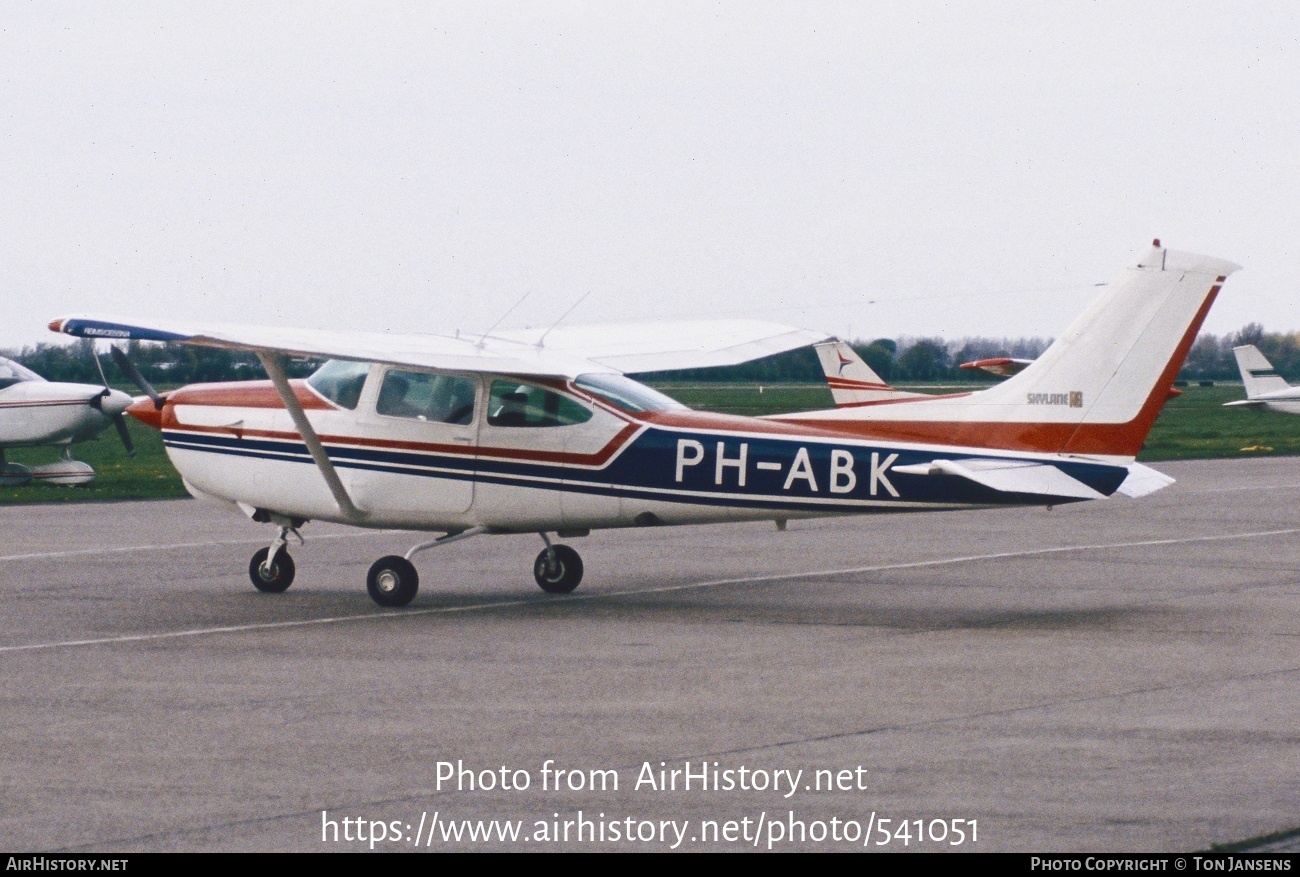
column 118, row 418
column 128, row 368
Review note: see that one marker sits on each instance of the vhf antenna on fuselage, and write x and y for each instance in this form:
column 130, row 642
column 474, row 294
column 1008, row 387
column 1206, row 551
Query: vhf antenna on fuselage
column 509, row 311
column 562, row 316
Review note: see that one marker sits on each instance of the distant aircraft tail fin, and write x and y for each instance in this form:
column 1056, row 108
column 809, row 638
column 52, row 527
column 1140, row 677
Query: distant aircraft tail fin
column 1257, row 373
column 851, row 380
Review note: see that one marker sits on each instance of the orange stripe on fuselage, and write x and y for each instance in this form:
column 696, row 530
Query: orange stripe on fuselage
column 249, row 394
column 236, row 394
column 599, row 458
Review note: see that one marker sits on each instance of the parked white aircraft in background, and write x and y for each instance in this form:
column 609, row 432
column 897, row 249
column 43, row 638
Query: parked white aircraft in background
column 1265, row 388
column 36, row 412
column 540, row 431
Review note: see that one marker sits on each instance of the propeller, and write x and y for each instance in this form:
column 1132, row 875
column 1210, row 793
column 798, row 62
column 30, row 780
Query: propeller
column 118, row 418
column 128, row 368
column 119, row 421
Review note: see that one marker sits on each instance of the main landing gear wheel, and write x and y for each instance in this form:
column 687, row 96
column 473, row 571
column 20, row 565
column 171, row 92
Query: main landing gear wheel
column 275, row 578
column 392, row 581
column 560, row 574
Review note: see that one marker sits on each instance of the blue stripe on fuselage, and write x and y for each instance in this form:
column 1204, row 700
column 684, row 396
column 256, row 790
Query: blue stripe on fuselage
column 696, row 468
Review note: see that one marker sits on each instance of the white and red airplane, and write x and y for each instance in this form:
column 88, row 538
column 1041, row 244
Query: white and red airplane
column 540, row 431
column 1266, row 390
column 36, row 412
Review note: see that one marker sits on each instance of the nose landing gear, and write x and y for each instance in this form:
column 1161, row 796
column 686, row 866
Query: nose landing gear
column 271, row 569
column 274, row 577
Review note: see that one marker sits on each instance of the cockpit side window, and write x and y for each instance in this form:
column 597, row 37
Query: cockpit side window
column 625, row 393
column 511, row 403
column 429, row 397
column 340, row 381
column 12, row 373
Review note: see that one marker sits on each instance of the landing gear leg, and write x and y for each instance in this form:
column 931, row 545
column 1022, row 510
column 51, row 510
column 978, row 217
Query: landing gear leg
column 558, row 569
column 271, row 570
column 393, row 580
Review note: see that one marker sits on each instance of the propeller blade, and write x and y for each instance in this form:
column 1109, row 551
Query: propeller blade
column 128, row 368
column 119, row 421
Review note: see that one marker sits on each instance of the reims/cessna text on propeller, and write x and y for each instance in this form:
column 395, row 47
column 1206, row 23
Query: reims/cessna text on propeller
column 540, row 431
column 35, row 412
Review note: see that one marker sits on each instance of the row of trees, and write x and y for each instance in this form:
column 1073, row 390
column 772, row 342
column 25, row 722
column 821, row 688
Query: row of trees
column 933, row 359
column 159, row 363
column 907, row 359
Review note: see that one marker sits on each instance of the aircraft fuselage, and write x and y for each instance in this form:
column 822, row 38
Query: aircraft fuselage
column 592, row 465
column 36, row 413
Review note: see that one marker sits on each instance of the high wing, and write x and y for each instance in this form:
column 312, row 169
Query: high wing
column 559, row 352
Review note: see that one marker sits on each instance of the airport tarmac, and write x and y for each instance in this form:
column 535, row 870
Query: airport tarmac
column 1120, row 675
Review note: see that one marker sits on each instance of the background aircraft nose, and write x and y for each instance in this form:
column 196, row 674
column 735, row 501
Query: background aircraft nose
column 115, row 403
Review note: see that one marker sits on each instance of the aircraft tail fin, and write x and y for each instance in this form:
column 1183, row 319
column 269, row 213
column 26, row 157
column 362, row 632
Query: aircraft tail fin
column 851, row 380
column 1257, row 373
column 1095, row 391
column 1110, row 372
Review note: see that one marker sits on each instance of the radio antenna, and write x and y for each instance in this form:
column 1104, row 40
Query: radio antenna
column 508, row 312
column 562, row 316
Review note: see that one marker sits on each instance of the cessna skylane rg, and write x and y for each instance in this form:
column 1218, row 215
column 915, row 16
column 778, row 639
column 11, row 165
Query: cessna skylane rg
column 36, row 412
column 541, row 431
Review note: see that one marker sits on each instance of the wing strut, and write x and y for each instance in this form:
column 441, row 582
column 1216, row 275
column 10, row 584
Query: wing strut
column 274, row 366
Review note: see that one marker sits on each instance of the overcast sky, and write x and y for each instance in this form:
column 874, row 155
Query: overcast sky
column 868, row 169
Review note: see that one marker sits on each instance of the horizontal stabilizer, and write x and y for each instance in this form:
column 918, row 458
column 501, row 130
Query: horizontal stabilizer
column 1008, row 476
column 1142, row 480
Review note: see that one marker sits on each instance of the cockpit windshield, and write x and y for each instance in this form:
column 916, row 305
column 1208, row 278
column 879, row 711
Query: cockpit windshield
column 625, row 393
column 340, row 381
column 12, row 373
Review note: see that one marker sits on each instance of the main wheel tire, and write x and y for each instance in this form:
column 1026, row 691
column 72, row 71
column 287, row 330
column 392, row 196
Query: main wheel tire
column 562, row 576
column 275, row 580
column 392, row 581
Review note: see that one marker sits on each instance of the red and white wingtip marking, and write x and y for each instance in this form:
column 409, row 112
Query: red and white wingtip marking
column 1002, row 366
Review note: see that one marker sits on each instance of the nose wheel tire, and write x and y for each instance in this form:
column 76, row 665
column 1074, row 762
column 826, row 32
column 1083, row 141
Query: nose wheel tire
column 392, row 581
column 560, row 575
column 275, row 578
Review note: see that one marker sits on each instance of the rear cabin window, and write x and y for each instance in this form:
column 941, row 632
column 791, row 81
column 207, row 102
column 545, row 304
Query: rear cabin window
column 428, row 397
column 511, row 403
column 340, row 381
